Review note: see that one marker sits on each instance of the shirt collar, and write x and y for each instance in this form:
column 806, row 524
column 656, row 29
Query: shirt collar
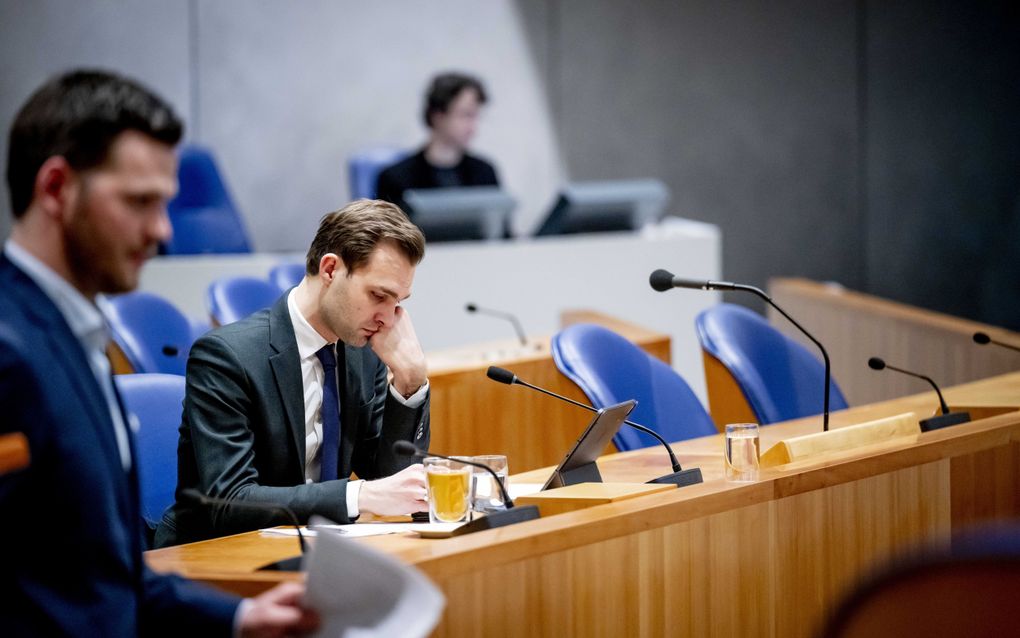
column 82, row 315
column 308, row 340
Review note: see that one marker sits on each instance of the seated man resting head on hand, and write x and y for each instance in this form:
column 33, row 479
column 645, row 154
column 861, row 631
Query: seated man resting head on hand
column 282, row 406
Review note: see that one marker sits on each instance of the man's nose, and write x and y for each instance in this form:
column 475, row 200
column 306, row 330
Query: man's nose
column 160, row 227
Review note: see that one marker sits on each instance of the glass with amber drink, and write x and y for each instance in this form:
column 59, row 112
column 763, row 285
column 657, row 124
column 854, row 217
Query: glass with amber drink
column 449, row 490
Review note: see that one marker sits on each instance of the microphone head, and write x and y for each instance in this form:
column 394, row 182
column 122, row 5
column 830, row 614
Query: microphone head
column 502, row 375
column 982, row 338
column 876, row 364
column 405, row 448
column 471, row 307
column 170, row 351
column 661, row 280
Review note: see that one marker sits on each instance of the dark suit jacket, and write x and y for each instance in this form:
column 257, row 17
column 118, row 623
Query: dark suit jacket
column 415, row 172
column 72, row 528
column 243, row 431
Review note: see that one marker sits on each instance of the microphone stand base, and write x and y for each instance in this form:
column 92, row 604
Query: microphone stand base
column 690, row 476
column 292, row 564
column 944, row 421
column 517, row 514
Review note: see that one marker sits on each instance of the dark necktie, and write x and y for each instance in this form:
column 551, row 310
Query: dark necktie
column 330, row 414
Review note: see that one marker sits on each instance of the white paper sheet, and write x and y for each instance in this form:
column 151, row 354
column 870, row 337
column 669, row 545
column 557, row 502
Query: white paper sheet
column 358, row 530
column 362, row 593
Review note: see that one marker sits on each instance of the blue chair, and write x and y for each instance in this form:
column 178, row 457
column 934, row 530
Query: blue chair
column 609, row 369
column 777, row 377
column 156, row 401
column 363, row 168
column 231, row 299
column 152, row 334
column 287, row 275
column 203, row 215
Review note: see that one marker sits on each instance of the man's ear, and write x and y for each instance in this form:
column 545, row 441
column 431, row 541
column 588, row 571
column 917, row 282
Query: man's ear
column 331, row 267
column 56, row 186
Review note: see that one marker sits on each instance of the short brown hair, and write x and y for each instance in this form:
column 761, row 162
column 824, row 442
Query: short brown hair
column 78, row 115
column 354, row 231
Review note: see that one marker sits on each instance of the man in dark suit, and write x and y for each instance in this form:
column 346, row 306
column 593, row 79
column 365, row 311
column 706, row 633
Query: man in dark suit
column 282, row 406
column 90, row 169
column 453, row 104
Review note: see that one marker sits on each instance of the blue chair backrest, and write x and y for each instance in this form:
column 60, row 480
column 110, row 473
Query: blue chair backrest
column 231, row 299
column 363, row 168
column 203, row 215
column 609, row 369
column 150, row 331
column 779, row 377
column 287, row 275
column 156, row 400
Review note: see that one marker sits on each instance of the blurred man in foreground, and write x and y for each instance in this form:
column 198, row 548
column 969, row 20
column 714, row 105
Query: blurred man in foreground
column 90, row 169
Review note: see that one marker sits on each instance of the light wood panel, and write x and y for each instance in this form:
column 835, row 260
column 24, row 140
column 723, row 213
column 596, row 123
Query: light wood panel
column 768, row 558
column 851, row 437
column 581, row 495
column 471, row 414
column 726, row 401
column 855, row 326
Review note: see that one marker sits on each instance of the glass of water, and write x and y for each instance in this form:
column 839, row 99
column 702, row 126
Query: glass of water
column 741, row 452
column 485, row 493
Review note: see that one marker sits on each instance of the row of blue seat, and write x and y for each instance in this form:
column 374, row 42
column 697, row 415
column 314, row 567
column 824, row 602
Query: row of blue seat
column 779, row 378
column 155, row 336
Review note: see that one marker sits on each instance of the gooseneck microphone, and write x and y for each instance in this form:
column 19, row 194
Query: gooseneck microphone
column 876, row 363
column 663, row 280
column 983, row 339
column 679, row 476
column 473, row 308
column 491, row 520
column 946, row 418
column 292, row 564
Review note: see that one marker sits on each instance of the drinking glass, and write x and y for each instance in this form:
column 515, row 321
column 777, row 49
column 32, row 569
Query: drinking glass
column 485, row 493
column 741, row 452
column 449, row 489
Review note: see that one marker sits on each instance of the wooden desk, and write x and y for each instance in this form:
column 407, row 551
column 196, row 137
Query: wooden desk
column 766, row 558
column 471, row 414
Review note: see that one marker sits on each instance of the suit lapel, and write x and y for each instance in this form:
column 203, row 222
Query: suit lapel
column 65, row 353
column 72, row 365
column 286, row 365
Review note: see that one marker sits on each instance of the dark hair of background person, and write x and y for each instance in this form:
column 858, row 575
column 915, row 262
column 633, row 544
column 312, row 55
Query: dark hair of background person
column 445, row 88
column 354, row 231
column 77, row 115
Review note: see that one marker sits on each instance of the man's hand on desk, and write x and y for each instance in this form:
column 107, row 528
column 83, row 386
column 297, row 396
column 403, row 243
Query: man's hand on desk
column 402, row 493
column 277, row 612
column 398, row 347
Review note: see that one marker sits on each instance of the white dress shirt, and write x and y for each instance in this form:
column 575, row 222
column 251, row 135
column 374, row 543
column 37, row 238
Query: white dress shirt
column 309, row 342
column 87, row 325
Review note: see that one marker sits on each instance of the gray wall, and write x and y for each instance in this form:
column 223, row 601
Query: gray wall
column 283, row 92
column 871, row 143
column 943, row 157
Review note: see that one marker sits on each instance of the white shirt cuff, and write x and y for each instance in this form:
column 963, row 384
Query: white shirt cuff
column 415, row 400
column 353, row 492
column 239, row 613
